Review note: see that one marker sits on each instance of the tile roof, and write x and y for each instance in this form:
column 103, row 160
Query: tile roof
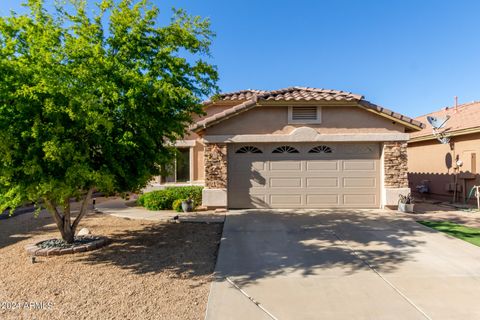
column 293, row 93
column 464, row 116
column 240, row 95
column 248, row 99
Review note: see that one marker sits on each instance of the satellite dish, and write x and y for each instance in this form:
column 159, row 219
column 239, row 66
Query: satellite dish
column 437, row 123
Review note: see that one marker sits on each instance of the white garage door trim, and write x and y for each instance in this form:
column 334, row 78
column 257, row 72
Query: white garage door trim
column 337, row 175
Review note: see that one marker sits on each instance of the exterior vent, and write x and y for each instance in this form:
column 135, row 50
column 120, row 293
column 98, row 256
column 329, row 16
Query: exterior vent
column 304, row 114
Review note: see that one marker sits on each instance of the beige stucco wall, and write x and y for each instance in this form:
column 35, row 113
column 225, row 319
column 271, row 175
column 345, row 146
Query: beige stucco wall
column 429, row 156
column 432, row 161
column 274, row 119
column 212, row 109
column 199, row 160
column 335, row 119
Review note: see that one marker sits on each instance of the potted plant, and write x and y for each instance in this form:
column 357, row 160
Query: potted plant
column 405, row 203
column 187, row 205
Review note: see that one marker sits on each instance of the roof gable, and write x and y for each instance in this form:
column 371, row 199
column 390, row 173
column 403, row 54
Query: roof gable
column 249, row 99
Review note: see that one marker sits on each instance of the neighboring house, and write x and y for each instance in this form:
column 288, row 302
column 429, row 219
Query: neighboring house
column 433, row 164
column 296, row 148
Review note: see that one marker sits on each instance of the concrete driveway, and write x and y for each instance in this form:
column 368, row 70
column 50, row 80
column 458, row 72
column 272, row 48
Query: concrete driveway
column 341, row 264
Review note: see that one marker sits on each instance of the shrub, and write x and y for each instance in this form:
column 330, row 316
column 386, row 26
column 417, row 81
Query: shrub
column 177, row 205
column 163, row 199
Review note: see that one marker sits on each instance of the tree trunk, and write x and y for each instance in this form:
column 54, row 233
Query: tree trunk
column 67, row 232
column 63, row 220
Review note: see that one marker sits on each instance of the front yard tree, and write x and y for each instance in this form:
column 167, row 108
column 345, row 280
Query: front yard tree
column 89, row 100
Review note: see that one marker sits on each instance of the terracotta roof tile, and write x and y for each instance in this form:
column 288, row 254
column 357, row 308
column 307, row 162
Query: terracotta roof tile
column 248, row 99
column 292, row 93
column 240, row 95
column 465, row 116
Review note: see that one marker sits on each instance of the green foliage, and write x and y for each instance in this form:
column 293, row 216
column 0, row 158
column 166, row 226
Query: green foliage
column 92, row 98
column 164, row 199
column 177, row 205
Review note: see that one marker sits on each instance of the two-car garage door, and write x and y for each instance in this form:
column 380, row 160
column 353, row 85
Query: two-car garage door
column 303, row 175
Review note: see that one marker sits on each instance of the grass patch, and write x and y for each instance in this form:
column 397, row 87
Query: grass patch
column 468, row 234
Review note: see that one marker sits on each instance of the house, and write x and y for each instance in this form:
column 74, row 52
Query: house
column 450, row 169
column 296, row 148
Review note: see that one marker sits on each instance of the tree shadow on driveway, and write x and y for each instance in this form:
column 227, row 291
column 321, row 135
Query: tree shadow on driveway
column 266, row 243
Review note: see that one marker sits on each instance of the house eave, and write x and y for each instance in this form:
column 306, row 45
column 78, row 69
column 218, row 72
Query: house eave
column 305, row 134
column 389, row 114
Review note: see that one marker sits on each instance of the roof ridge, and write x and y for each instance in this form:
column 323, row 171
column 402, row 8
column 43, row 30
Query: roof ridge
column 241, row 91
column 358, row 96
column 291, row 89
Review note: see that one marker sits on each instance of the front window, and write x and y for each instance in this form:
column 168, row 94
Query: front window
column 180, row 169
column 183, row 165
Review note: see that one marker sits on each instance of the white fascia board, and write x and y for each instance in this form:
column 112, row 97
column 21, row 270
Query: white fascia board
column 185, row 143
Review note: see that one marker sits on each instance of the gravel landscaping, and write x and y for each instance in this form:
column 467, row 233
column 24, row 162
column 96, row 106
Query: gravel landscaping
column 149, row 270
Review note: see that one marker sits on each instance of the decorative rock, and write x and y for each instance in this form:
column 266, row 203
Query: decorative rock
column 66, row 251
column 41, row 252
column 84, row 232
column 79, row 249
column 31, row 249
column 53, row 252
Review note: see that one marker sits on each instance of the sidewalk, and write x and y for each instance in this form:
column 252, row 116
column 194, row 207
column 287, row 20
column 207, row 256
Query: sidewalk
column 121, row 208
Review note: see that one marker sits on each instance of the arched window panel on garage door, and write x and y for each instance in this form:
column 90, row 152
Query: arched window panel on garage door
column 248, row 149
column 285, row 149
column 321, row 149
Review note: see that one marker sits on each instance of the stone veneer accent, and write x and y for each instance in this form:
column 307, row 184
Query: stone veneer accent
column 395, row 164
column 216, row 165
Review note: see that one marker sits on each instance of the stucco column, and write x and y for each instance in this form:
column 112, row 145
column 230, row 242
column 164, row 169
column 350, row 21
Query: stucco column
column 395, row 172
column 216, row 175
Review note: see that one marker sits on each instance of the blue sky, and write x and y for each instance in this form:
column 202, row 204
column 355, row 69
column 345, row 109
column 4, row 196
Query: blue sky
column 408, row 55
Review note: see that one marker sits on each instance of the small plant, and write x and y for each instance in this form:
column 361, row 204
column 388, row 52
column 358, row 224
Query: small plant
column 164, row 199
column 408, row 199
column 177, row 205
column 405, row 203
column 187, row 205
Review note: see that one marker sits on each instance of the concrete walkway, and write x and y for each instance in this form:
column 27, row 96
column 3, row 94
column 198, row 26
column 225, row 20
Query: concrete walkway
column 118, row 207
column 350, row 264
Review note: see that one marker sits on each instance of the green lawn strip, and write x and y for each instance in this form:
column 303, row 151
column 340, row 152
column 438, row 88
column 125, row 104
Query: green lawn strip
column 468, row 234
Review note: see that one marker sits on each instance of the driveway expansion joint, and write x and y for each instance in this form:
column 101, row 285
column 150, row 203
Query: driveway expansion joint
column 258, row 304
column 380, row 275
